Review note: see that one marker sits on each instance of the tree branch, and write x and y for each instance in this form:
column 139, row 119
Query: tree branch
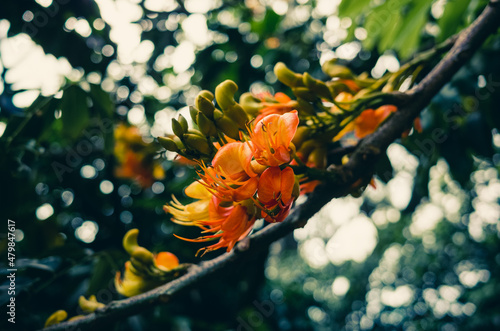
column 360, row 165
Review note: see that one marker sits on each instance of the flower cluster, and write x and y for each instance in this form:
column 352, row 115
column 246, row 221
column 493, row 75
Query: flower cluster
column 145, row 270
column 136, row 158
column 85, row 306
column 252, row 156
column 248, row 178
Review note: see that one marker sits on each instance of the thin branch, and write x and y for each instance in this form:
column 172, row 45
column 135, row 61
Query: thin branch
column 469, row 40
column 360, row 165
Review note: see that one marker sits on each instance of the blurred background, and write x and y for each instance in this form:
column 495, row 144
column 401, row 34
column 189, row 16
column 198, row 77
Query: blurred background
column 85, row 86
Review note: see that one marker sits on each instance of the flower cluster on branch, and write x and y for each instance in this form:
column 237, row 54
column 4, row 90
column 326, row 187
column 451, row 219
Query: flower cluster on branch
column 246, row 151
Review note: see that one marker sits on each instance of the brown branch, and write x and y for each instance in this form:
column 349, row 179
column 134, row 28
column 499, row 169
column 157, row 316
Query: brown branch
column 359, row 166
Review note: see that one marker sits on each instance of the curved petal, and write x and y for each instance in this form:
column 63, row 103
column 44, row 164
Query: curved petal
column 196, row 190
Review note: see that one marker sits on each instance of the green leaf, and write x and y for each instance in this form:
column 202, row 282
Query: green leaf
column 407, row 40
column 75, row 112
column 352, row 8
column 267, row 26
column 453, row 15
column 102, row 100
column 380, row 22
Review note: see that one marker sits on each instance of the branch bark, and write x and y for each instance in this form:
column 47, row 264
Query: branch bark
column 359, row 166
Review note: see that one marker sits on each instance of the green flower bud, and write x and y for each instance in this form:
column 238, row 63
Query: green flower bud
column 301, row 135
column 335, row 70
column 168, row 143
column 196, row 132
column 207, row 94
column 193, row 112
column 224, row 94
column 316, row 86
column 178, row 142
column 250, row 104
column 218, row 114
column 177, row 128
column 228, row 127
column 143, row 256
column 183, row 123
column 197, row 143
column 304, row 107
column 205, row 106
column 207, row 127
column 304, row 93
column 287, row 76
column 238, row 115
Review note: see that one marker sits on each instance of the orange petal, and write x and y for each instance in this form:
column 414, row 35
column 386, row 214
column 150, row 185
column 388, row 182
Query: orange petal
column 166, row 260
column 287, row 183
column 282, row 97
column 269, row 185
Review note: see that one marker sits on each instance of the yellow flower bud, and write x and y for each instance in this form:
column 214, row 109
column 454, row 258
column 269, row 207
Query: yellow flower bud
column 168, row 143
column 143, row 255
column 90, row 305
column 207, row 94
column 56, row 318
column 75, row 318
column 130, row 241
column 287, row 76
column 224, row 94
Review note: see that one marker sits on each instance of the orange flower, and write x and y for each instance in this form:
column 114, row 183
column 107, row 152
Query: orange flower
column 228, row 224
column 275, row 193
column 134, row 282
column 370, row 119
column 135, row 157
column 231, row 177
column 279, row 104
column 271, row 138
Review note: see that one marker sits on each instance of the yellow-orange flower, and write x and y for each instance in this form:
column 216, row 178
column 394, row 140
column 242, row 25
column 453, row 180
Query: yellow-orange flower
column 195, row 213
column 134, row 283
column 369, row 120
column 135, row 157
column 279, row 105
column 231, row 176
column 228, row 224
column 271, row 138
